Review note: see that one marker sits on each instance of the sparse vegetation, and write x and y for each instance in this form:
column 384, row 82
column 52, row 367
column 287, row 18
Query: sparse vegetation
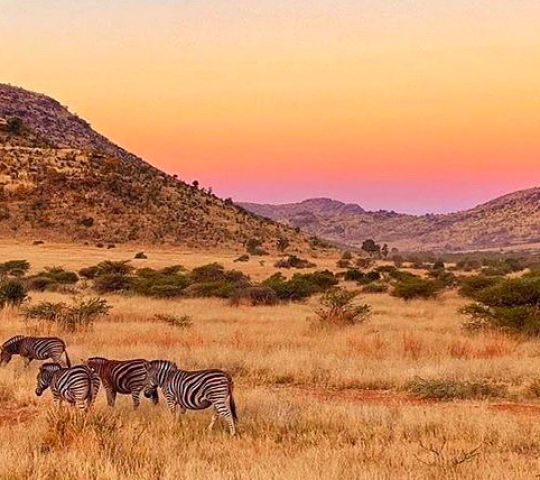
column 177, row 321
column 338, row 308
column 12, row 293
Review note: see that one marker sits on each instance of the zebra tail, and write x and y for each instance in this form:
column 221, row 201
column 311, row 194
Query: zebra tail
column 68, row 361
column 233, row 408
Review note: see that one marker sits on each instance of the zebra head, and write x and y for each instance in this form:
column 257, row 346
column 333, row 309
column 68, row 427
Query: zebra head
column 9, row 348
column 158, row 371
column 45, row 376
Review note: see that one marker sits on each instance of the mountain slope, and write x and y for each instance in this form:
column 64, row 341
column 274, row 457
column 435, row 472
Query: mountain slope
column 513, row 219
column 61, row 180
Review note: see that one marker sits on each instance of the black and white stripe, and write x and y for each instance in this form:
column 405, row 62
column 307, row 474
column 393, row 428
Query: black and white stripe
column 127, row 377
column 77, row 385
column 34, row 348
column 196, row 390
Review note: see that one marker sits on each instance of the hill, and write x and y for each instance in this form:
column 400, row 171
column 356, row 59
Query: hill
column 510, row 220
column 61, row 180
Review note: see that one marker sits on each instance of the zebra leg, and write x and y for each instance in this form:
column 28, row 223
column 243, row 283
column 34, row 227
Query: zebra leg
column 223, row 410
column 135, row 395
column 111, row 396
column 213, row 420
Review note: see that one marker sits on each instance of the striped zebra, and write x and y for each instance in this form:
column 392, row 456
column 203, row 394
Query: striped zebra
column 77, row 385
column 197, row 390
column 34, row 348
column 128, row 377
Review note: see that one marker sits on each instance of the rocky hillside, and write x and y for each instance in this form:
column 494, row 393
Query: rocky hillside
column 61, row 180
column 510, row 220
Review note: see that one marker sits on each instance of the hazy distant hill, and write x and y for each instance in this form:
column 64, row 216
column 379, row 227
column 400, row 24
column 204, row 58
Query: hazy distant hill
column 513, row 219
column 60, row 179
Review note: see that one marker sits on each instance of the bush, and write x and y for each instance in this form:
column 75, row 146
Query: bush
column 512, row 305
column 375, row 288
column 353, row 275
column 301, row 286
column 109, row 267
column 140, row 256
column 164, row 283
column 57, row 275
column 347, row 255
column 472, row 286
column 112, row 282
column 453, row 389
column 292, row 261
column 255, row 296
column 254, row 247
column 242, row 258
column 364, row 263
column 80, row 315
column 14, row 125
column 12, row 293
column 15, row 268
column 41, row 283
column 213, row 288
column 416, row 288
column 337, row 308
column 178, row 321
column 343, row 263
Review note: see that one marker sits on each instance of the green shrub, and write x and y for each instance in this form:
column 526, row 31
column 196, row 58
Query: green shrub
column 254, row 247
column 213, row 288
column 353, row 275
column 255, row 296
column 41, row 283
column 59, row 275
column 416, row 288
column 12, row 293
column 81, row 314
column 512, row 305
column 112, row 283
column 110, row 267
column 301, row 286
column 375, row 288
column 292, row 261
column 472, row 286
column 16, row 268
column 338, row 308
column 343, row 263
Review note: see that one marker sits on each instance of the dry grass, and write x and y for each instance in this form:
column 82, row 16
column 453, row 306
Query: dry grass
column 328, row 405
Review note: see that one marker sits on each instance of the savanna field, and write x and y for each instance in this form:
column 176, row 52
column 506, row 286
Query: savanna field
column 406, row 394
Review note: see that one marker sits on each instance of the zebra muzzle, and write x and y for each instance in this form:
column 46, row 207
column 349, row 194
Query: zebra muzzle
column 39, row 392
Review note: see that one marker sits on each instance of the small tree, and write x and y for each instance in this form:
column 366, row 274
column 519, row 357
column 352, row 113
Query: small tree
column 338, row 308
column 254, row 247
column 369, row 246
column 12, row 293
column 283, row 244
column 14, row 125
column 385, row 250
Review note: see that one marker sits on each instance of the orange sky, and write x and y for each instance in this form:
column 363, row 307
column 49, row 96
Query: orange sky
column 411, row 105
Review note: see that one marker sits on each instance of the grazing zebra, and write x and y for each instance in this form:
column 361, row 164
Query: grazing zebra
column 196, row 390
column 77, row 385
column 34, row 348
column 127, row 377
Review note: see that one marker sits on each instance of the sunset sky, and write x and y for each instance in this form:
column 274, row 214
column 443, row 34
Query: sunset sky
column 410, row 105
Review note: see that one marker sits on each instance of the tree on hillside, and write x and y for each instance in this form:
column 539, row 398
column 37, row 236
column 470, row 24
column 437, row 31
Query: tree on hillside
column 282, row 244
column 385, row 250
column 371, row 247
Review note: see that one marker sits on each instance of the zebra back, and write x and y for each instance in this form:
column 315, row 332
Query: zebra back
column 122, row 376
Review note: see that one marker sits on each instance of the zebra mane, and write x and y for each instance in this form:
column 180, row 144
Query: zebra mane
column 50, row 367
column 13, row 344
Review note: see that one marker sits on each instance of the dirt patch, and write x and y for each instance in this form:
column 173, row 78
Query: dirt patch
column 517, row 409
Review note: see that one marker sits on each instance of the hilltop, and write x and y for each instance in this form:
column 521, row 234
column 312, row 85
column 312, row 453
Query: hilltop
column 62, row 180
column 510, row 220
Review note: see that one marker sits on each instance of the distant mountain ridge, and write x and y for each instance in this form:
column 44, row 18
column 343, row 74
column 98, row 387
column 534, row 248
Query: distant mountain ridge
column 509, row 220
column 61, row 180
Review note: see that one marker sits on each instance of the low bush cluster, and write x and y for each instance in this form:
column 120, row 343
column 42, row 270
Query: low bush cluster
column 81, row 314
column 511, row 305
column 301, row 286
column 414, row 288
column 292, row 261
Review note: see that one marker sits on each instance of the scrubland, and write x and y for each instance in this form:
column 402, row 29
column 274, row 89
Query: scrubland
column 406, row 395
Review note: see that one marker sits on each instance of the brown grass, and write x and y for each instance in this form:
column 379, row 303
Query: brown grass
column 325, row 404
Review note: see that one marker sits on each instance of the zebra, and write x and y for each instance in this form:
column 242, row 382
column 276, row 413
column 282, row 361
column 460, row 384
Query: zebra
column 127, row 377
column 34, row 348
column 77, row 385
column 194, row 390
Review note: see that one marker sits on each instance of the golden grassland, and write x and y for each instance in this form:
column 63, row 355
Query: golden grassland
column 313, row 404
